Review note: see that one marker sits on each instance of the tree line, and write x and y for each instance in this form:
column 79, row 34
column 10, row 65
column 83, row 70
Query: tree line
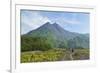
column 29, row 43
column 35, row 43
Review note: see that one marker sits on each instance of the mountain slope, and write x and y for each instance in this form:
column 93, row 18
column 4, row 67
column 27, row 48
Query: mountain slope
column 58, row 36
column 53, row 29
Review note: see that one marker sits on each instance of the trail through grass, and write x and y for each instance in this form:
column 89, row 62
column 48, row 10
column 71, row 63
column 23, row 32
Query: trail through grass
column 54, row 55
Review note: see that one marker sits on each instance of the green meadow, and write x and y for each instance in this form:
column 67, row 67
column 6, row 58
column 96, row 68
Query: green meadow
column 54, row 55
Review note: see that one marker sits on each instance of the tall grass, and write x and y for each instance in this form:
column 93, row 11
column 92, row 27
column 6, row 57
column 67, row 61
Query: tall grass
column 53, row 55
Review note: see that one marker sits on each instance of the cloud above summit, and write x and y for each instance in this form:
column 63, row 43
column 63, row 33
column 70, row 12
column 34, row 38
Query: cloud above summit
column 31, row 20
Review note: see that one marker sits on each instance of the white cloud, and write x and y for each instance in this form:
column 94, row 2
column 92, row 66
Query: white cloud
column 71, row 21
column 62, row 21
column 34, row 19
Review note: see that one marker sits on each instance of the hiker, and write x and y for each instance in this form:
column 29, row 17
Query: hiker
column 72, row 50
column 31, row 57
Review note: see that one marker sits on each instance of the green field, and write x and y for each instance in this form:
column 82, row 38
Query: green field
column 54, row 55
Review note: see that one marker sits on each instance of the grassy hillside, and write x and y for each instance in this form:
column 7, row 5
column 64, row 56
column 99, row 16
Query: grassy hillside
column 54, row 55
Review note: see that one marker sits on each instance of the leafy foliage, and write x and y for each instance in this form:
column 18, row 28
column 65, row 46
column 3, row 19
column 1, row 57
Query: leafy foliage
column 35, row 43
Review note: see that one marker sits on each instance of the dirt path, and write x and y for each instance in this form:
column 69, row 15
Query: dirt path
column 70, row 56
column 64, row 57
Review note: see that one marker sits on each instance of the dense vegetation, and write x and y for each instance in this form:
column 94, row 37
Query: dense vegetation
column 35, row 43
column 29, row 43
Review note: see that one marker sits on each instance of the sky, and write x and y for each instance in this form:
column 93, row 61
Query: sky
column 71, row 21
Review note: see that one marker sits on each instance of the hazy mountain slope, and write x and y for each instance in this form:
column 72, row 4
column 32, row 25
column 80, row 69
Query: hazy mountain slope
column 60, row 37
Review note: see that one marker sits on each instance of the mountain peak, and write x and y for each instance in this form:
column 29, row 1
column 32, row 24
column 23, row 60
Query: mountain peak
column 47, row 23
column 51, row 23
column 55, row 24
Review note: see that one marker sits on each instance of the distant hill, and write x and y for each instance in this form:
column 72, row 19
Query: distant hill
column 60, row 37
